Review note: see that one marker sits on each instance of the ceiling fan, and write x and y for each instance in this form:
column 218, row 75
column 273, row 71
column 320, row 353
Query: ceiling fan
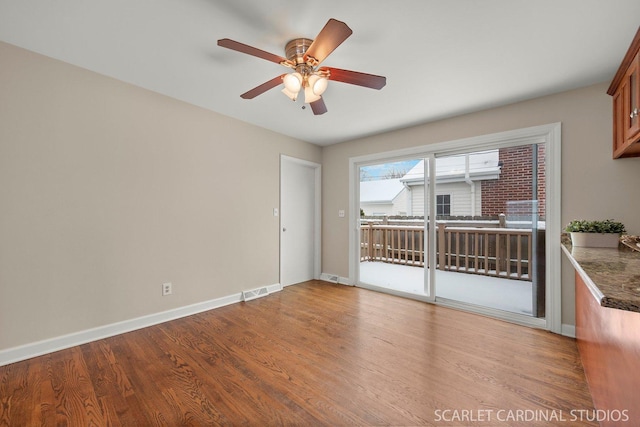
column 304, row 57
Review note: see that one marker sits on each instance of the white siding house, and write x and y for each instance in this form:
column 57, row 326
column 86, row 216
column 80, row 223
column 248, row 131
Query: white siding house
column 458, row 181
column 383, row 197
column 460, row 199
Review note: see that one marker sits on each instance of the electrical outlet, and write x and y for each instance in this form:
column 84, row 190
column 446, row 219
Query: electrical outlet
column 166, row 289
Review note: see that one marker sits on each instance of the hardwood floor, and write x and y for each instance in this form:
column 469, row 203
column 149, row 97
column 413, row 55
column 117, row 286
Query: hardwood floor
column 313, row 354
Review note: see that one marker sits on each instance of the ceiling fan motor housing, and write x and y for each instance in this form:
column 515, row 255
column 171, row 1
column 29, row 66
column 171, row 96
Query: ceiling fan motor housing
column 296, row 48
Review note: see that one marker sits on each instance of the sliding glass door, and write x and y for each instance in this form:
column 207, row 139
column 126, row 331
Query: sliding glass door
column 393, row 242
column 491, row 229
column 464, row 228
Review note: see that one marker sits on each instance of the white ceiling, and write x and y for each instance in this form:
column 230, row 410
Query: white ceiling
column 441, row 57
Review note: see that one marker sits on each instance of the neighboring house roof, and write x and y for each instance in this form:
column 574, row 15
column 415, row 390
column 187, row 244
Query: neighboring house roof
column 482, row 166
column 380, row 191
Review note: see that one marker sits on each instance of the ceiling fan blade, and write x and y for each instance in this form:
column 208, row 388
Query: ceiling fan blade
column 329, row 38
column 259, row 90
column 356, row 78
column 318, row 107
column 250, row 50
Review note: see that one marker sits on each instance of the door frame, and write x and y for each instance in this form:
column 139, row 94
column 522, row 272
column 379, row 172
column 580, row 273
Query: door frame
column 549, row 134
column 317, row 238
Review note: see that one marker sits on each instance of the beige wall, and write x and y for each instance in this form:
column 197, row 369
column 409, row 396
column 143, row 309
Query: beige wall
column 593, row 185
column 108, row 190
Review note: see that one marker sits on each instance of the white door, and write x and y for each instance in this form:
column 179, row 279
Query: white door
column 299, row 240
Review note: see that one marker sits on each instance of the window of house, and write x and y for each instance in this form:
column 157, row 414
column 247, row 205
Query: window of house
column 443, row 204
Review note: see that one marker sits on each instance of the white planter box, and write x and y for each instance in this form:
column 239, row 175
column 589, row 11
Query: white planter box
column 595, row 240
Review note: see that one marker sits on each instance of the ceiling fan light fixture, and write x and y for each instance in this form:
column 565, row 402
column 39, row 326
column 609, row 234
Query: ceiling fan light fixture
column 310, row 96
column 293, row 82
column 292, row 95
column 318, row 84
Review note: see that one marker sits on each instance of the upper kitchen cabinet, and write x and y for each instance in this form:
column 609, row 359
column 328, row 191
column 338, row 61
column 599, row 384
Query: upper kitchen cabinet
column 625, row 89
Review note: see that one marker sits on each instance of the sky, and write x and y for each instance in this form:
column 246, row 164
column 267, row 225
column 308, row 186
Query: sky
column 375, row 172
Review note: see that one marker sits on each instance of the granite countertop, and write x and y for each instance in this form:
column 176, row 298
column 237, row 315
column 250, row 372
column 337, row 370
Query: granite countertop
column 612, row 275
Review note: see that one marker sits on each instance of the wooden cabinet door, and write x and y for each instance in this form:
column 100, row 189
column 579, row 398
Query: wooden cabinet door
column 625, row 90
column 632, row 99
column 619, row 123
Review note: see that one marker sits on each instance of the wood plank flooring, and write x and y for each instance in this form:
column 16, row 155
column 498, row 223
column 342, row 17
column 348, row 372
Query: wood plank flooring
column 313, row 354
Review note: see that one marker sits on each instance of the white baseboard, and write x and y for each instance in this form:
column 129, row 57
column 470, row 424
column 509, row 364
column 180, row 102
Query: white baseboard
column 568, row 330
column 274, row 288
column 27, row 351
column 333, row 278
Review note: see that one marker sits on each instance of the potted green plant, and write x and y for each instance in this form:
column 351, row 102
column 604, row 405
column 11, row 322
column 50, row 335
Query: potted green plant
column 595, row 234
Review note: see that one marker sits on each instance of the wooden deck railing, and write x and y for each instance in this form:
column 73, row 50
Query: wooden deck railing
column 489, row 251
column 396, row 244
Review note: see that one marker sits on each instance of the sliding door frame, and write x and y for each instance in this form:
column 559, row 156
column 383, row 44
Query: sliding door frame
column 550, row 135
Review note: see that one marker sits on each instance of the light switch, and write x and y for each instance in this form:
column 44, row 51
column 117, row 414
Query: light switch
column 275, row 211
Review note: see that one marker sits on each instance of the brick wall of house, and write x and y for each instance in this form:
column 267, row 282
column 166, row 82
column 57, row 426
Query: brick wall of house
column 515, row 181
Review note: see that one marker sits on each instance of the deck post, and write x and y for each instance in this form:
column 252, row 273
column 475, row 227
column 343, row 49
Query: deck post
column 441, row 246
column 371, row 244
column 501, row 249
